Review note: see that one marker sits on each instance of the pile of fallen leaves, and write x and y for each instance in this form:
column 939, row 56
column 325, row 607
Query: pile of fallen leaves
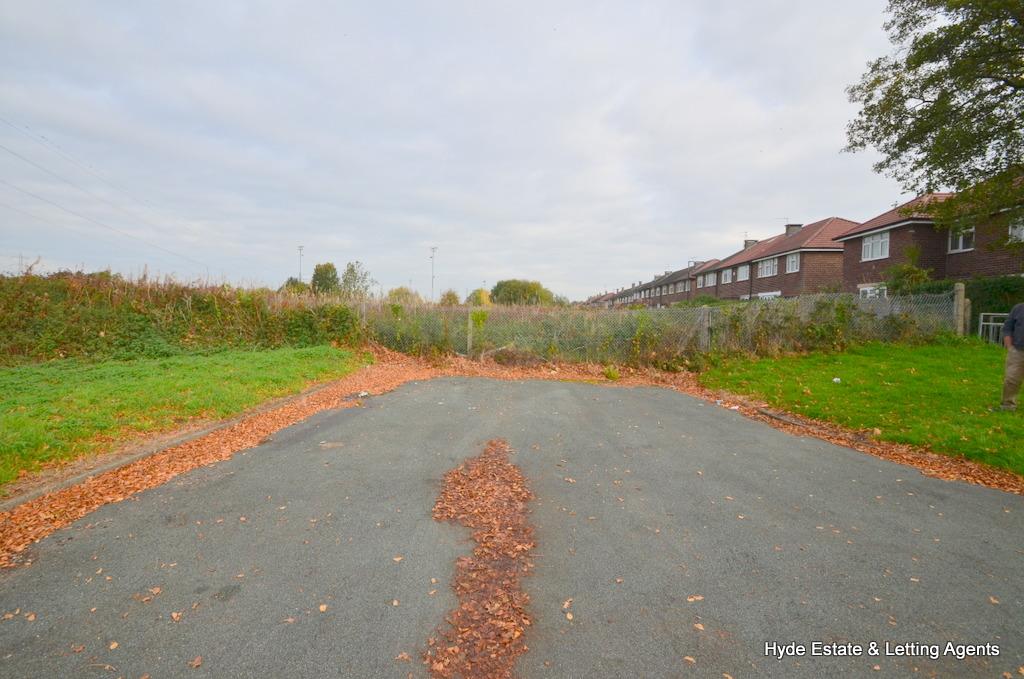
column 485, row 636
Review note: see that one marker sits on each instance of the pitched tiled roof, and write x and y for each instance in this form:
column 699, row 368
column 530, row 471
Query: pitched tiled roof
column 706, row 266
column 900, row 213
column 818, row 235
column 747, row 254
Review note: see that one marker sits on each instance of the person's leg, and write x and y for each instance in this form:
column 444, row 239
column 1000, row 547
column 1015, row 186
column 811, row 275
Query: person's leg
column 1013, row 378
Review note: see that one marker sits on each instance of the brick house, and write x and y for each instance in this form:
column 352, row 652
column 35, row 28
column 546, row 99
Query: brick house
column 891, row 238
column 663, row 290
column 801, row 260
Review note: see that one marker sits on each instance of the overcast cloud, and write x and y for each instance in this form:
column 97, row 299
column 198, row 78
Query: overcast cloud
column 583, row 144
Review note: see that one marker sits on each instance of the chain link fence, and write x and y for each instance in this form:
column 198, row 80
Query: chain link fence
column 651, row 336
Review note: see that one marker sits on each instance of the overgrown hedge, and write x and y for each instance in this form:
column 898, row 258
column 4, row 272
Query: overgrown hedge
column 987, row 295
column 103, row 315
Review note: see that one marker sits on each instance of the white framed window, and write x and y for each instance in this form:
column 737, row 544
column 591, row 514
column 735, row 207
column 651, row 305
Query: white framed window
column 687, row 289
column 769, row 295
column 961, row 242
column 1017, row 229
column 793, row 262
column 874, row 247
column 700, row 281
column 767, row 267
column 726, row 276
column 871, row 290
column 710, row 279
column 743, row 272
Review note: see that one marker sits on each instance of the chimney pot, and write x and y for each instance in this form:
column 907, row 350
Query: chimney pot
column 748, row 242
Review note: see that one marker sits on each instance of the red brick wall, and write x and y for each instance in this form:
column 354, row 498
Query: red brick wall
column 820, row 271
column 989, row 257
column 786, row 283
column 932, row 246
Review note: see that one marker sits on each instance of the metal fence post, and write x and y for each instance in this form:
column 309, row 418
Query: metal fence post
column 469, row 331
column 958, row 308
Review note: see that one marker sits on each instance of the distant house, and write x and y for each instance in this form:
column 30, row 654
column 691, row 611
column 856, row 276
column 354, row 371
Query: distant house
column 890, row 238
column 801, row 260
column 663, row 290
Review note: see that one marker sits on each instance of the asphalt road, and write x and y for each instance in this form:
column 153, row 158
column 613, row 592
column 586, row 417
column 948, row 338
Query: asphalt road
column 786, row 539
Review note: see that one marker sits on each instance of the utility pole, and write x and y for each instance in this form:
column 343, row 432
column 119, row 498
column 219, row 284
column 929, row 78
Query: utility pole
column 433, row 255
column 300, row 262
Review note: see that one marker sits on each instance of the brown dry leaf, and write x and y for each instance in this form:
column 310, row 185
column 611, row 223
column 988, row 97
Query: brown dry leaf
column 726, row 675
column 394, row 602
column 694, row 597
column 113, row 645
column 568, row 615
column 287, row 621
column 994, row 601
column 77, row 648
column 323, row 608
column 195, row 662
column 398, row 558
column 689, row 659
column 566, row 604
column 155, row 591
column 176, row 616
column 698, row 626
column 618, row 580
column 403, row 656
column 31, row 617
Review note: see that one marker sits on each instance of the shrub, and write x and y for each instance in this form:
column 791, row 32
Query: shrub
column 103, row 315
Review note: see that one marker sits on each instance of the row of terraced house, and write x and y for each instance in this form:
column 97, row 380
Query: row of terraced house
column 833, row 255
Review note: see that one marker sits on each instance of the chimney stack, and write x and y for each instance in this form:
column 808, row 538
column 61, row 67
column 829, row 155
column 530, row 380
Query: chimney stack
column 793, row 228
column 748, row 242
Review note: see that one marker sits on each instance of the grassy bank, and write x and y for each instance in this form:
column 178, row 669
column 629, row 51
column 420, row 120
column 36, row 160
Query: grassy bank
column 64, row 409
column 935, row 395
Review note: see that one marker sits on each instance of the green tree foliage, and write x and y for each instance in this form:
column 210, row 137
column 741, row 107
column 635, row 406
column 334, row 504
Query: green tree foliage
column 479, row 297
column 515, row 291
column 946, row 109
column 449, row 298
column 404, row 296
column 356, row 281
column 294, row 285
column 325, row 278
column 905, row 277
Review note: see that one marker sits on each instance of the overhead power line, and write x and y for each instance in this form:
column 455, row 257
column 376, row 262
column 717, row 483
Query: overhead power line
column 102, row 224
column 84, row 190
column 42, row 140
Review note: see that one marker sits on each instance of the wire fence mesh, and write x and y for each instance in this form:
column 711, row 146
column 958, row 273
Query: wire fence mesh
column 644, row 336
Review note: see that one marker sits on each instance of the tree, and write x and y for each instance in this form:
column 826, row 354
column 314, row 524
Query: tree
column 294, row 285
column 449, row 298
column 515, row 291
column 901, row 279
column 479, row 297
column 356, row 281
column 945, row 110
column 404, row 296
column 325, row 278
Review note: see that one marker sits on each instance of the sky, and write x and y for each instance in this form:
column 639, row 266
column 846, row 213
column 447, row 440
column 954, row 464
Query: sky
column 586, row 145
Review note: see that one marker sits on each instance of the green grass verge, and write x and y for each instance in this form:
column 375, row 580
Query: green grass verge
column 58, row 411
column 935, row 395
